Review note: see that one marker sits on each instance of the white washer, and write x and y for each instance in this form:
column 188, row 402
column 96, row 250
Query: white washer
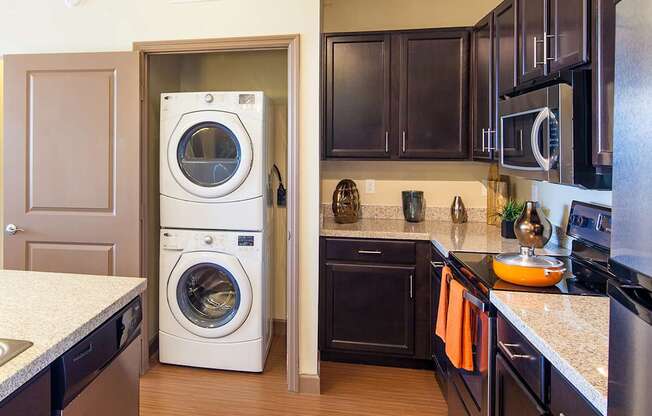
column 214, row 299
column 215, row 159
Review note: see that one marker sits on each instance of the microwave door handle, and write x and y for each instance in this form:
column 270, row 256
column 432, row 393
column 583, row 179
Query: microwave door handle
column 536, row 128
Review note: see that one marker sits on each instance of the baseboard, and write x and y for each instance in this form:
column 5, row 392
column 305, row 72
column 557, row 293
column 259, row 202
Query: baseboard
column 309, row 384
column 280, row 327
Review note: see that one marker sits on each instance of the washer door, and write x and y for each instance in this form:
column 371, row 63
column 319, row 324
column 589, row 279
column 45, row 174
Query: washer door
column 210, row 153
column 209, row 293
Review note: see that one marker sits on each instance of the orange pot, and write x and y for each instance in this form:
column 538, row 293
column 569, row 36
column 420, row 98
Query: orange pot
column 528, row 276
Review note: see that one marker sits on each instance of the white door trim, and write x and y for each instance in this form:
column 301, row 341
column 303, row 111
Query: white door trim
column 291, row 44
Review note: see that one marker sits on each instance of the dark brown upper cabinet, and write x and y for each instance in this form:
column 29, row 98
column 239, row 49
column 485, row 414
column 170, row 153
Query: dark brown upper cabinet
column 396, row 95
column 505, row 47
column 569, row 20
column 484, row 98
column 433, row 95
column 532, row 28
column 357, row 96
column 552, row 36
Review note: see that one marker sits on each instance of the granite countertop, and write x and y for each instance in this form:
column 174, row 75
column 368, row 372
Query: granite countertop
column 54, row 311
column 572, row 332
column 445, row 235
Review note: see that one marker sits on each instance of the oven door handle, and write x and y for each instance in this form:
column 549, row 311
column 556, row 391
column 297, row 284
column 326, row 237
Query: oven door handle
column 536, row 128
column 483, row 307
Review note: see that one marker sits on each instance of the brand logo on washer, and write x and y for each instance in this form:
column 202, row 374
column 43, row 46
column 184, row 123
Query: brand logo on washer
column 247, row 99
column 245, row 241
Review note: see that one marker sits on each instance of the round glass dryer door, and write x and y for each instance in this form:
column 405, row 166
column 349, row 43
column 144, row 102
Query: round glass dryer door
column 209, row 293
column 210, row 153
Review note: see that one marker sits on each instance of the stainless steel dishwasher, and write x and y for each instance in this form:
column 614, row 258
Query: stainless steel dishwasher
column 100, row 375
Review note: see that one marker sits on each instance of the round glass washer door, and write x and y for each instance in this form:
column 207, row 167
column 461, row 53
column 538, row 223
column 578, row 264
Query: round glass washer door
column 210, row 153
column 209, row 294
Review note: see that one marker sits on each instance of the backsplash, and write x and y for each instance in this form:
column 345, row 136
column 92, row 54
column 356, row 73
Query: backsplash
column 391, row 212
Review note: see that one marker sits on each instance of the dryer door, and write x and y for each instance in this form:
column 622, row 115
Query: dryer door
column 209, row 293
column 210, row 153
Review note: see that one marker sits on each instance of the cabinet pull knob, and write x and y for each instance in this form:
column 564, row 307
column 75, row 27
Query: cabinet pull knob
column 437, row 264
column 386, row 142
column 411, row 287
column 484, row 132
column 374, row 252
column 489, row 134
column 403, row 141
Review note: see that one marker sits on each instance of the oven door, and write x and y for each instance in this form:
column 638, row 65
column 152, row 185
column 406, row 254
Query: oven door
column 472, row 388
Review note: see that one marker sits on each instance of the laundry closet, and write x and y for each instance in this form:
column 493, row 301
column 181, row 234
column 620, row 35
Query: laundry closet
column 225, row 316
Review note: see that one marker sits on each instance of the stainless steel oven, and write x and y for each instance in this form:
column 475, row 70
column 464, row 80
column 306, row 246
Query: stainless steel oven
column 535, row 134
column 471, row 392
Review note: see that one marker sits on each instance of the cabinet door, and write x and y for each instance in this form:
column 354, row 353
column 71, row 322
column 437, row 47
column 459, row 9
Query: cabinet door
column 512, row 396
column 569, row 33
column 433, row 96
column 484, row 100
column 369, row 308
column 532, row 23
column 505, row 47
column 357, row 96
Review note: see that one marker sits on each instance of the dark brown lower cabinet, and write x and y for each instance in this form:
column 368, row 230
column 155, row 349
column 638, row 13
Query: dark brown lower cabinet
column 526, row 384
column 372, row 308
column 512, row 396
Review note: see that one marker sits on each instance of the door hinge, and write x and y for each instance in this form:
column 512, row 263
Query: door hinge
column 142, row 92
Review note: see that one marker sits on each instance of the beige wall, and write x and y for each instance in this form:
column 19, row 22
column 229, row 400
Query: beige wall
column 556, row 199
column 363, row 15
column 114, row 25
column 440, row 181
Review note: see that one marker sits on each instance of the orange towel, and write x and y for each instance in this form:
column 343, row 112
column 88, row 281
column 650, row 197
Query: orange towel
column 459, row 333
column 442, row 308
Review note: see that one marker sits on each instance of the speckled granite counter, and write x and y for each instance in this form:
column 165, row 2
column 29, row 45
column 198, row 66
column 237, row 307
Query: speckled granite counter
column 572, row 332
column 54, row 311
column 445, row 235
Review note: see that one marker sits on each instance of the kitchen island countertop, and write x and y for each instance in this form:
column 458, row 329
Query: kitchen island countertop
column 54, row 311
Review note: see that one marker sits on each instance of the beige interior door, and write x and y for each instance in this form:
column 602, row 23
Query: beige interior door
column 71, row 163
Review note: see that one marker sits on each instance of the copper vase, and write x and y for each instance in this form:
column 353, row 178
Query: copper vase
column 532, row 228
column 346, row 202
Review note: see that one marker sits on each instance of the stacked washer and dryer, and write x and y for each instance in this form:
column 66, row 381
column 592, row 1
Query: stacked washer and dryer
column 215, row 288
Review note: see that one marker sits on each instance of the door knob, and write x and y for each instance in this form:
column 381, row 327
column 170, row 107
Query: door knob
column 12, row 229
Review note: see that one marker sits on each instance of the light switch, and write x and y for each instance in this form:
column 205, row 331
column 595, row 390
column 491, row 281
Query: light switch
column 370, row 186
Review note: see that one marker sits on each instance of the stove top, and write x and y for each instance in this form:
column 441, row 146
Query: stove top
column 586, row 278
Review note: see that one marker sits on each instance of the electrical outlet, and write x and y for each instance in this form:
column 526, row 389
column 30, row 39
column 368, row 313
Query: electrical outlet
column 370, row 186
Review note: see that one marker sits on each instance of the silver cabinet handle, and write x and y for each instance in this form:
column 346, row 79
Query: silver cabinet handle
column 437, row 264
column 12, row 229
column 546, row 36
column 536, row 50
column 403, row 141
column 411, row 287
column 386, row 142
column 511, row 355
column 489, row 134
column 374, row 252
column 476, row 302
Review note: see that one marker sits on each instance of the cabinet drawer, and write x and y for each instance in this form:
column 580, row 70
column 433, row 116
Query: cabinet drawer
column 523, row 357
column 565, row 400
column 372, row 251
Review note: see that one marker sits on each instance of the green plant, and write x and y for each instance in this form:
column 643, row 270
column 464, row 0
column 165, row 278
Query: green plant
column 512, row 210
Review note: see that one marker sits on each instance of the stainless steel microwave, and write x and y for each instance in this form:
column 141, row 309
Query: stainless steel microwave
column 535, row 134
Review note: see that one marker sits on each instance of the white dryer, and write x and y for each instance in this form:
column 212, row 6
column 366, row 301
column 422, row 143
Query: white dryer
column 215, row 159
column 214, row 300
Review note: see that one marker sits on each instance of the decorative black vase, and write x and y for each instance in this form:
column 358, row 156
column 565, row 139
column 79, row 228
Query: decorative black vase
column 507, row 229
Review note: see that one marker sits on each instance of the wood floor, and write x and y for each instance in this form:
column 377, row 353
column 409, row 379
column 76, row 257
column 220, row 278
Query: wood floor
column 346, row 390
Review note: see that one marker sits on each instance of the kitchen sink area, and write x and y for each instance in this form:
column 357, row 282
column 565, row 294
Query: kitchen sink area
column 10, row 348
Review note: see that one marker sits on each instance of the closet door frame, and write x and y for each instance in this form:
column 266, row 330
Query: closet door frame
column 305, row 383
